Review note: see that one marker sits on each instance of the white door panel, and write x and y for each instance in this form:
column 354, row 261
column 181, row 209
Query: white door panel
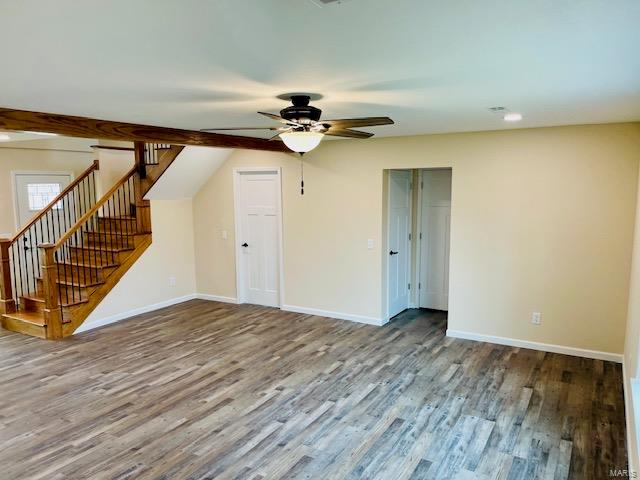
column 33, row 192
column 435, row 228
column 259, row 230
column 399, row 224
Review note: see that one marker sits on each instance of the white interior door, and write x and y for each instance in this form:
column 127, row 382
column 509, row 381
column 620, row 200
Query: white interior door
column 258, row 240
column 434, row 249
column 399, row 241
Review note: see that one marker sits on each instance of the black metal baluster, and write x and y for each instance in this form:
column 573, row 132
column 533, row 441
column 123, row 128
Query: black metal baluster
column 84, row 233
column 59, row 291
column 113, row 234
column 71, row 241
column 38, row 226
column 65, row 255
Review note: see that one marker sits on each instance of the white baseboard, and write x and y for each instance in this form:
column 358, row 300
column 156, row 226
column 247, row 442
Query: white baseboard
column 132, row 313
column 544, row 347
column 339, row 315
column 216, row 298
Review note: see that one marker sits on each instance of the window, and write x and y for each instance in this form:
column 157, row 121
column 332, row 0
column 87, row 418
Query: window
column 41, row 194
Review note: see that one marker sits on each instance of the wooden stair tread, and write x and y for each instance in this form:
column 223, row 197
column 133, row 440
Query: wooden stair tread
column 34, row 297
column 34, row 318
column 73, row 283
column 123, row 217
column 102, row 248
column 87, row 264
column 107, row 233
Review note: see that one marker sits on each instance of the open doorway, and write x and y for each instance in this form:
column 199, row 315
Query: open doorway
column 417, row 224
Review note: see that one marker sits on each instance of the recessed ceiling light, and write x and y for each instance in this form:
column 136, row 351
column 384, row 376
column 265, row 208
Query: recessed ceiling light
column 512, row 117
column 4, row 137
column 44, row 134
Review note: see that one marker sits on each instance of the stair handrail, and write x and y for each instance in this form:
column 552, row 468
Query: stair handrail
column 20, row 260
column 95, row 165
column 93, row 210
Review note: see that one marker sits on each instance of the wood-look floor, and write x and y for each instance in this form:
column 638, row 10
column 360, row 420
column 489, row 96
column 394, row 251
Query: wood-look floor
column 209, row 390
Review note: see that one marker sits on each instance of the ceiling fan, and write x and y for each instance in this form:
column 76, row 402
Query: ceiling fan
column 301, row 129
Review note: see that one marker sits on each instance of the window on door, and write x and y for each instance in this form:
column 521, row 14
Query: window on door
column 42, row 194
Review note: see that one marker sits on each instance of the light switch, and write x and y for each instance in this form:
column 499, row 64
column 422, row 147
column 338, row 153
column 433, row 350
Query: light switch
column 224, row 234
column 370, row 244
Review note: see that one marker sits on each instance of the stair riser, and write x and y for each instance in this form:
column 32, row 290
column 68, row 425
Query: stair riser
column 84, row 274
column 30, row 305
column 14, row 325
column 109, row 241
column 107, row 229
column 92, row 256
column 118, row 223
column 68, row 293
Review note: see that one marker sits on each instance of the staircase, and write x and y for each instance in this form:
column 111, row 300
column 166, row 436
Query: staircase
column 57, row 269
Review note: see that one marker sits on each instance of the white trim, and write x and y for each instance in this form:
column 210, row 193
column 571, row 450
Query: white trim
column 14, row 186
column 236, row 212
column 216, row 298
column 338, row 315
column 132, row 313
column 543, row 347
column 627, row 389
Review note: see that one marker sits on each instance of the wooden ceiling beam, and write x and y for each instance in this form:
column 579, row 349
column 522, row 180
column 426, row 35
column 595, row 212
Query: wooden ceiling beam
column 71, row 126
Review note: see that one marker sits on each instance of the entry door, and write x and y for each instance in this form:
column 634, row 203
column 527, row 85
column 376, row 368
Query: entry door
column 34, row 191
column 434, row 248
column 259, row 237
column 398, row 241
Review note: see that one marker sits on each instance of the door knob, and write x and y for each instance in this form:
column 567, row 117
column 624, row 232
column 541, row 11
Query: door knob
column 391, row 252
column 245, row 244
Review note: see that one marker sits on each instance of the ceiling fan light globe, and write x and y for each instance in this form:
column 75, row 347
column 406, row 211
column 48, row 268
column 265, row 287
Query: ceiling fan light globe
column 301, row 142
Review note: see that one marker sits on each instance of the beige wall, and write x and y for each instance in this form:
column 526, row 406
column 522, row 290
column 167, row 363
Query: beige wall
column 41, row 155
column 146, row 284
column 542, row 220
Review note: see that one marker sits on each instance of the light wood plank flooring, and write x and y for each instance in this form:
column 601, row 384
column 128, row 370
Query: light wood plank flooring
column 205, row 390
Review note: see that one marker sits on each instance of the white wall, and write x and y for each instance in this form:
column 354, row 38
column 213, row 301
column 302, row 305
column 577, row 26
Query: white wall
column 188, row 172
column 542, row 220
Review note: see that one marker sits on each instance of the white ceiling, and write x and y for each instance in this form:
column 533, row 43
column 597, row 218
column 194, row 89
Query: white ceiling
column 432, row 65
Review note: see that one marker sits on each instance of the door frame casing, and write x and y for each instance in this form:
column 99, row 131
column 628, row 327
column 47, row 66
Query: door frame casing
column 410, row 259
column 237, row 172
column 14, row 187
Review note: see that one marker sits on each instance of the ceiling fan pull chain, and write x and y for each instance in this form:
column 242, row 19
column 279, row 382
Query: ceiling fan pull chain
column 301, row 174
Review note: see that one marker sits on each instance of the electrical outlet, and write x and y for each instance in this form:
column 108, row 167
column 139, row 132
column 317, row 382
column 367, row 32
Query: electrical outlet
column 536, row 318
column 172, row 281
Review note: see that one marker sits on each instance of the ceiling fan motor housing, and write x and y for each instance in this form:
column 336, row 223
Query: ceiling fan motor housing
column 301, row 112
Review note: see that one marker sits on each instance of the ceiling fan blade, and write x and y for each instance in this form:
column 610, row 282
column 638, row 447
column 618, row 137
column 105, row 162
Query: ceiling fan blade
column 239, row 128
column 277, row 136
column 345, row 132
column 278, row 118
column 358, row 122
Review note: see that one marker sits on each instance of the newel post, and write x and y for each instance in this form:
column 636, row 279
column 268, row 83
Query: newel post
column 139, row 149
column 52, row 308
column 143, row 207
column 7, row 302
